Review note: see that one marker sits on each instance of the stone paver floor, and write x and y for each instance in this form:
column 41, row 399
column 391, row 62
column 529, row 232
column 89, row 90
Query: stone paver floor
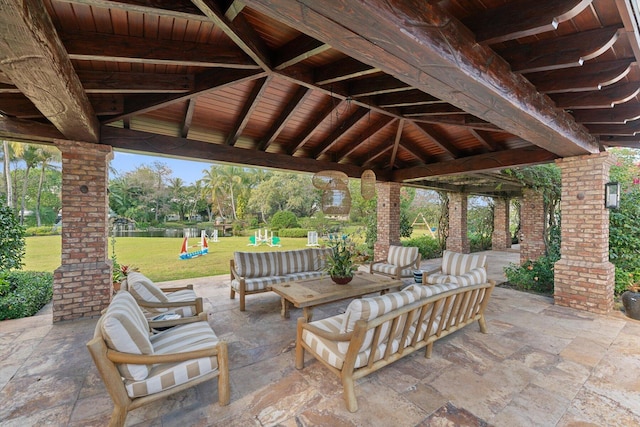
column 539, row 365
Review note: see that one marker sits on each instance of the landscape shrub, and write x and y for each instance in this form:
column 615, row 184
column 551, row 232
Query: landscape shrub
column 427, row 246
column 284, row 219
column 536, row 276
column 624, row 240
column 24, row 293
column 11, row 239
column 44, row 230
column 293, row 232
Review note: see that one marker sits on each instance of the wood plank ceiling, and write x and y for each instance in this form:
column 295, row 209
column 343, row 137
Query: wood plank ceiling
column 418, row 91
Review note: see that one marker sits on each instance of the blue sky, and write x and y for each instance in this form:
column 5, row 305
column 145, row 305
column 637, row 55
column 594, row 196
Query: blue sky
column 188, row 170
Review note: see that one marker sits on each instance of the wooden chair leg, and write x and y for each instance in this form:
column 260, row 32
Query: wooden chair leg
column 299, row 349
column 349, row 394
column 483, row 324
column 428, row 350
column 242, row 301
column 232, row 294
column 223, row 376
column 118, row 416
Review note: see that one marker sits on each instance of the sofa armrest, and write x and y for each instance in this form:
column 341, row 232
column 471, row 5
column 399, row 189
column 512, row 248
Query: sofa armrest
column 197, row 303
column 322, row 333
column 177, row 288
column 427, row 273
column 151, row 359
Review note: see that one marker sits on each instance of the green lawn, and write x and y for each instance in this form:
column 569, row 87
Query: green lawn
column 156, row 257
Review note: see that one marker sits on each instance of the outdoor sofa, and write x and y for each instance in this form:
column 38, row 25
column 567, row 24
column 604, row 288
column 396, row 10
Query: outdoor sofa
column 255, row 272
column 376, row 331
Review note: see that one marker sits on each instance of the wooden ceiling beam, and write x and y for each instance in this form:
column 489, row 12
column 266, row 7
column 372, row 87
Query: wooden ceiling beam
column 376, row 85
column 431, row 110
column 605, row 98
column 377, row 152
column 405, row 99
column 462, row 120
column 522, row 18
column 620, row 141
column 27, row 130
column 249, row 106
column 130, row 82
column 285, row 115
column 435, row 54
column 485, row 139
column 137, row 141
column 18, row 105
column 628, row 129
column 208, row 81
column 179, row 9
column 369, row 132
column 413, row 152
column 590, row 76
column 306, row 134
column 561, row 52
column 619, row 114
column 339, row 131
column 437, row 139
column 482, row 162
column 297, row 50
column 343, row 69
column 239, row 31
column 188, row 118
column 34, row 58
column 396, row 143
column 115, row 48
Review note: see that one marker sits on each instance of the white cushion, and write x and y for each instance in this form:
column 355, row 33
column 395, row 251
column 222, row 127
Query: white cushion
column 456, row 264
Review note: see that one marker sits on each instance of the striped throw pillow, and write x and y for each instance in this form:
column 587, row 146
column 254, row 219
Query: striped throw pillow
column 143, row 289
column 125, row 329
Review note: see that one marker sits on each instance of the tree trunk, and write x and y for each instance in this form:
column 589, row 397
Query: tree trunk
column 38, row 197
column 25, row 185
column 7, row 173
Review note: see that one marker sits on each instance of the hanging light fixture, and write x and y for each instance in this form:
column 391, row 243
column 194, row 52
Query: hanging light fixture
column 368, row 184
column 336, row 198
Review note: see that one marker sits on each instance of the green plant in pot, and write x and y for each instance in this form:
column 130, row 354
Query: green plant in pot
column 340, row 263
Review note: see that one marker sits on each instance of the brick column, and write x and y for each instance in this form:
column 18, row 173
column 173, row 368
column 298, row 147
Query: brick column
column 388, row 218
column 532, row 220
column 82, row 285
column 584, row 277
column 501, row 237
column 457, row 240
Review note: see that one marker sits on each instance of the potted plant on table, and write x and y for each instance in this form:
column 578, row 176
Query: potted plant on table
column 340, row 262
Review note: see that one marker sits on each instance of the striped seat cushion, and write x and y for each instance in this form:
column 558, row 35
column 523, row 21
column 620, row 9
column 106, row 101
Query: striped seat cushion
column 143, row 289
column 330, row 351
column 402, row 256
column 457, row 264
column 294, row 261
column 180, row 339
column 257, row 264
column 257, row 284
column 303, row 275
column 370, row 308
column 390, row 269
column 126, row 330
column 473, row 277
column 181, row 296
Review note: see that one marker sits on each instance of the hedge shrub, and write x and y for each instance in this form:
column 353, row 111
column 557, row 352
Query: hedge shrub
column 24, row 293
column 292, row 232
column 427, row 246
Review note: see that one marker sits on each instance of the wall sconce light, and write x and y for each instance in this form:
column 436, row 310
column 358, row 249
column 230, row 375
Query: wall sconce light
column 612, row 195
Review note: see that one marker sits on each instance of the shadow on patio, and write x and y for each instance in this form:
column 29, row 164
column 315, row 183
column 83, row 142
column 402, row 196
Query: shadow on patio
column 539, row 365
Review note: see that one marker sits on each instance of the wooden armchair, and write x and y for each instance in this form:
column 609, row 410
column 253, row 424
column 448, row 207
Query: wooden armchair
column 155, row 300
column 138, row 368
column 400, row 262
column 458, row 268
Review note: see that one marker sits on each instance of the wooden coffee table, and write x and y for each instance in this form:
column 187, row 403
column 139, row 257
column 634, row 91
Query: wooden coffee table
column 310, row 293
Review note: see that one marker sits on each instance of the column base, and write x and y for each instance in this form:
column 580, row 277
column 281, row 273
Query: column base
column 584, row 285
column 81, row 290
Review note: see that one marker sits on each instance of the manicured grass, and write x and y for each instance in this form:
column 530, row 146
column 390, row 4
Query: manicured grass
column 156, row 257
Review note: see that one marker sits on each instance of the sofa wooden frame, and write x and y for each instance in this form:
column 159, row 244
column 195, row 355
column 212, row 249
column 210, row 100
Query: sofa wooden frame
column 461, row 307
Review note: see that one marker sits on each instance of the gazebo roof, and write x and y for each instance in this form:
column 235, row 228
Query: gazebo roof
column 415, row 90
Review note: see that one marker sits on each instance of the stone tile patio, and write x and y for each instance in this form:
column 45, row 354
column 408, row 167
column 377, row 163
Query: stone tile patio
column 539, row 365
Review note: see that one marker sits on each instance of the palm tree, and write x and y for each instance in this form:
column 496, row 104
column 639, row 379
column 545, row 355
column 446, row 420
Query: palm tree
column 213, row 187
column 232, row 177
column 10, row 150
column 46, row 154
column 30, row 157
